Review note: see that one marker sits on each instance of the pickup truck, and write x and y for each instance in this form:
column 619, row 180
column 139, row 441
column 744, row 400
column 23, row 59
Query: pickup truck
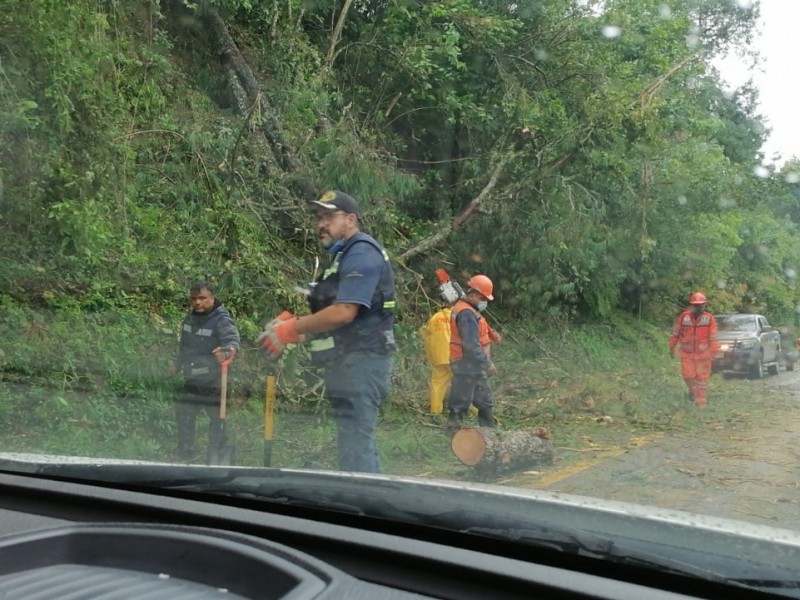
column 748, row 344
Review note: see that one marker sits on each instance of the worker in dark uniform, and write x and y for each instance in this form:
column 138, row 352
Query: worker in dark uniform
column 350, row 328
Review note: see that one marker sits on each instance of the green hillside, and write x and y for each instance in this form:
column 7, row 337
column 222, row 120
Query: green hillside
column 585, row 155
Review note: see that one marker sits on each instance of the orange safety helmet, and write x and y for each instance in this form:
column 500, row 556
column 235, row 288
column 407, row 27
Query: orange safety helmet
column 481, row 284
column 697, row 298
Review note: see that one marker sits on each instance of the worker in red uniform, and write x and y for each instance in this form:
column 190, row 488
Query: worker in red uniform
column 696, row 332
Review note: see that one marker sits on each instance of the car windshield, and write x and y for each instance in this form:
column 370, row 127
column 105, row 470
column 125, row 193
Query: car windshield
column 457, row 241
column 736, row 323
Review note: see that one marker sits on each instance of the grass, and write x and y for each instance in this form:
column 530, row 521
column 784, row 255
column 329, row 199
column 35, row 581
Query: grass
column 598, row 389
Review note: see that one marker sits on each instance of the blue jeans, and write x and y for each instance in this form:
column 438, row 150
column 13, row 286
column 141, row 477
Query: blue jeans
column 356, row 386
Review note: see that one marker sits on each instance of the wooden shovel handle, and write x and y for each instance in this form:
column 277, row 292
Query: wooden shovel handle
column 223, row 392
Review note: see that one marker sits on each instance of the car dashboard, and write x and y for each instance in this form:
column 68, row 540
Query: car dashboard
column 67, row 539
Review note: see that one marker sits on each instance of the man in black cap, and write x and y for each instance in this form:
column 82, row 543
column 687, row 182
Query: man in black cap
column 350, row 328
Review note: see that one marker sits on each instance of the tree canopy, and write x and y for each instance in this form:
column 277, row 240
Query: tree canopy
column 585, row 155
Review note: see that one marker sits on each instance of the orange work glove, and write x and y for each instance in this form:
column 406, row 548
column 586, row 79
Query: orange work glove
column 284, row 316
column 494, row 336
column 278, row 336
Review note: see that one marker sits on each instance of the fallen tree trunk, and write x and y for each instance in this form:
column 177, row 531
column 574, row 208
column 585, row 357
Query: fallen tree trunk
column 492, row 450
column 232, row 58
column 445, row 230
column 270, row 163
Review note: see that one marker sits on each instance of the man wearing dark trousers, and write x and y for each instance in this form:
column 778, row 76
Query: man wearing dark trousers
column 470, row 356
column 208, row 338
column 350, row 328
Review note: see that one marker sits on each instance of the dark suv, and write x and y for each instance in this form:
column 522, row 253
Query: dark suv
column 747, row 344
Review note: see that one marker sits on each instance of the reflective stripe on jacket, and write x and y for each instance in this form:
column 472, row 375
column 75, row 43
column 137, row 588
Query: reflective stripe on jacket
column 697, row 337
column 372, row 329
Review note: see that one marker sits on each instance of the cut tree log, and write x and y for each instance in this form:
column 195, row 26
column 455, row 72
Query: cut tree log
column 492, row 450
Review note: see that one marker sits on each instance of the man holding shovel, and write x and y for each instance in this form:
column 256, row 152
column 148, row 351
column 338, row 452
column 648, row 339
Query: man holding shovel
column 209, row 341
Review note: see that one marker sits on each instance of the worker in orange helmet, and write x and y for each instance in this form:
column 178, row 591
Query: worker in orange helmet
column 696, row 332
column 470, row 356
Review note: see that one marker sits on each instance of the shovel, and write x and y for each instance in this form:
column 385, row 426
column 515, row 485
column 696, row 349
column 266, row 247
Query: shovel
column 222, row 455
column 269, row 412
column 269, row 393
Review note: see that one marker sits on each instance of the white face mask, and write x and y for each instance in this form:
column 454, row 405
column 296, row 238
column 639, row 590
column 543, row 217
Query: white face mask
column 482, row 305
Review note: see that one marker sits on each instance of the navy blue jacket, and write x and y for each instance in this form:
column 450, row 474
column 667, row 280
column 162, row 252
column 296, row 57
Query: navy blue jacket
column 201, row 333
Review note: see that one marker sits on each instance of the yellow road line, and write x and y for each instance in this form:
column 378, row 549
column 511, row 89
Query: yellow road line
column 556, row 476
column 552, row 477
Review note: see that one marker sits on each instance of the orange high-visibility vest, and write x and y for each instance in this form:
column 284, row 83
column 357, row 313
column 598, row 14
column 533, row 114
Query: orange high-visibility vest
column 697, row 337
column 456, row 344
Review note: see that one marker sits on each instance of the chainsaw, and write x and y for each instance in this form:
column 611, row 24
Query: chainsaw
column 450, row 290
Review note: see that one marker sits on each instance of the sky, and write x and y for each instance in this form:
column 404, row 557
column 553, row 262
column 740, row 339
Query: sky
column 779, row 46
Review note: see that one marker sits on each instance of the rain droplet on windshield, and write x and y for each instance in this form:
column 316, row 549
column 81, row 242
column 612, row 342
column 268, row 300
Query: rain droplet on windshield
column 682, row 200
column 792, row 178
column 727, row 202
column 664, row 11
column 761, row 171
column 693, row 37
column 791, row 273
column 612, row 31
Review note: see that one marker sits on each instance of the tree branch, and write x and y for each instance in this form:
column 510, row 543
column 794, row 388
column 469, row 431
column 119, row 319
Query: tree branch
column 337, row 34
column 468, row 212
column 645, row 99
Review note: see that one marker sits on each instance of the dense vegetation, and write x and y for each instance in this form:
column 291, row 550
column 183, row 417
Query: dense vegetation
column 582, row 153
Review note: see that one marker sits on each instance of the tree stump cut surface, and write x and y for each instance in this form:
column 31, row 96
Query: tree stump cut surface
column 491, row 449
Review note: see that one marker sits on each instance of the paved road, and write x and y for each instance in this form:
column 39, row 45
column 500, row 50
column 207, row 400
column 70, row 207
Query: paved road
column 748, row 470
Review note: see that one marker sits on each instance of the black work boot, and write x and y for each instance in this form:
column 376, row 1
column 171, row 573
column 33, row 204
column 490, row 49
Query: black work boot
column 454, row 422
column 185, row 455
column 185, row 452
column 486, row 417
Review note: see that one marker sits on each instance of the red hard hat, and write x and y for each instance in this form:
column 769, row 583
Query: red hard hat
column 482, row 284
column 697, row 298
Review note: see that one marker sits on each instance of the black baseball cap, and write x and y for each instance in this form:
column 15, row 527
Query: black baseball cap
column 336, row 200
